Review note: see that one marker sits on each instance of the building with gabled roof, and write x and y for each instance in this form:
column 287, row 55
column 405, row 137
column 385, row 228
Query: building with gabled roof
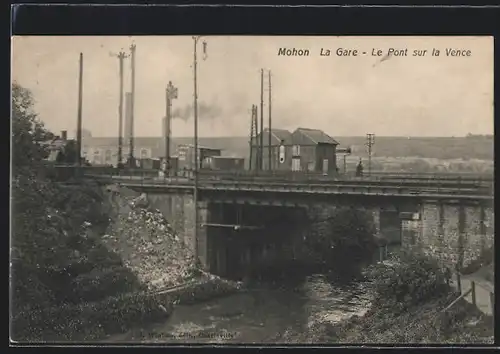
column 314, row 150
column 278, row 137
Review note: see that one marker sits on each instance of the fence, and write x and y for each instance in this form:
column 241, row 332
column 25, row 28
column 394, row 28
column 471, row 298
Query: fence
column 474, row 284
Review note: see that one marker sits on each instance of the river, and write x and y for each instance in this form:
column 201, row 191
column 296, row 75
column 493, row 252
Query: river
column 264, row 313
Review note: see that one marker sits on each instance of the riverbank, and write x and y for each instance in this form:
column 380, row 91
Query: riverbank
column 423, row 324
column 410, row 294
column 115, row 315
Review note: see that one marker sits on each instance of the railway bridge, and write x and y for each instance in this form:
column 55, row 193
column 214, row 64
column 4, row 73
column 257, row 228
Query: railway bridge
column 245, row 219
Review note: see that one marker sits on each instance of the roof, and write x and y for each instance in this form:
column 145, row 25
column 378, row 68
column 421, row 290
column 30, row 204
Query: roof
column 277, row 135
column 317, row 136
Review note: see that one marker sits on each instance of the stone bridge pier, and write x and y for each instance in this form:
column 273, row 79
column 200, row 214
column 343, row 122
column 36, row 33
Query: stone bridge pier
column 454, row 232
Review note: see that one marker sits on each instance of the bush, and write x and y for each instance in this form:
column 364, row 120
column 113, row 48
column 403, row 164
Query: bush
column 411, row 279
column 90, row 320
column 99, row 284
column 348, row 240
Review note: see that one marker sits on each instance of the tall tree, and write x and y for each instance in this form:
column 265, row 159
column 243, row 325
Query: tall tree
column 27, row 130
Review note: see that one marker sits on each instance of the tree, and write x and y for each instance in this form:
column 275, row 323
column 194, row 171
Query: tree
column 69, row 153
column 27, row 130
column 347, row 241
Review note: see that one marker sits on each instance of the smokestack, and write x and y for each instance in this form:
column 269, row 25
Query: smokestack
column 128, row 117
column 64, row 135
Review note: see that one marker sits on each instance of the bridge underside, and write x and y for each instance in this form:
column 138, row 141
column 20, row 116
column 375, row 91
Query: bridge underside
column 243, row 238
column 239, row 231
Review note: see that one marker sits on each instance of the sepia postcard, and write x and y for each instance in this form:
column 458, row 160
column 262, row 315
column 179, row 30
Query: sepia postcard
column 271, row 190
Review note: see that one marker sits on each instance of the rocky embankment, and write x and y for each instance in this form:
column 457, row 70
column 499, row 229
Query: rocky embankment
column 147, row 244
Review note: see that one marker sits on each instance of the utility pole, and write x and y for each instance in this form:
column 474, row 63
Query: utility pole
column 261, row 160
column 171, row 93
column 79, row 115
column 195, row 97
column 269, row 142
column 253, row 139
column 131, row 143
column 370, row 141
column 121, row 56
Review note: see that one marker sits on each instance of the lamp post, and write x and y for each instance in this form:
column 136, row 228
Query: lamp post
column 195, row 109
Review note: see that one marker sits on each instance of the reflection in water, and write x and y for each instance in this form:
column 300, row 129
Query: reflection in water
column 265, row 313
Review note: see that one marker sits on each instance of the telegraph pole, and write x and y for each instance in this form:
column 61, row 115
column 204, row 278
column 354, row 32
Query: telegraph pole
column 269, row 142
column 370, row 141
column 79, row 118
column 195, row 97
column 253, row 137
column 121, row 56
column 261, row 150
column 131, row 143
column 171, row 93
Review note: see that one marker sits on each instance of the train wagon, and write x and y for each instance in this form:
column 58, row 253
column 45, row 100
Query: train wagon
column 224, row 163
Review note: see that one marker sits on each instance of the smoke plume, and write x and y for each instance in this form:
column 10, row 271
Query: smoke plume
column 205, row 111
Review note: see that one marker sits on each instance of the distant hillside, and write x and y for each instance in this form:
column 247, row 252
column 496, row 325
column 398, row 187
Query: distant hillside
column 441, row 148
column 474, row 147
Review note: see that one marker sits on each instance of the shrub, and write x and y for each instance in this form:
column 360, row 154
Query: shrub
column 411, row 279
column 347, row 241
column 90, row 320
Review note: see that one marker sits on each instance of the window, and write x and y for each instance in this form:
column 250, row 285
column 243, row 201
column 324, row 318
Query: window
column 97, row 157
column 296, row 150
column 144, row 153
column 296, row 164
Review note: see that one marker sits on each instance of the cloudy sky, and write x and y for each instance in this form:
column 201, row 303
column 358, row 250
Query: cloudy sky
column 344, row 96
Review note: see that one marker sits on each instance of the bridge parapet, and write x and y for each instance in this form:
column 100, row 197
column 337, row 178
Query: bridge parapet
column 287, row 176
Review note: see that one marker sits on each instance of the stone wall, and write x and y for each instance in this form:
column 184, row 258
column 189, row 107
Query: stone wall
column 454, row 234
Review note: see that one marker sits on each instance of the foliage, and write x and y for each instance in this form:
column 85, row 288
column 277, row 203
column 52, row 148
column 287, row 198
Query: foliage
column 69, row 154
column 51, row 247
column 348, row 239
column 27, row 130
column 410, row 279
column 409, row 293
column 91, row 320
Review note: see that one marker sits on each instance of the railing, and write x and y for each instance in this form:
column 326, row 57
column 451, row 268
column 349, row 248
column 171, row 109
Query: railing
column 472, row 291
column 290, row 180
column 287, row 175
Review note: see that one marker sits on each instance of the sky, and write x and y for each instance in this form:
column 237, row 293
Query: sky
column 342, row 95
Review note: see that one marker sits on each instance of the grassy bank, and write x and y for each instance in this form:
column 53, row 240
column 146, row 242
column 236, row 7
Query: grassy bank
column 409, row 296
